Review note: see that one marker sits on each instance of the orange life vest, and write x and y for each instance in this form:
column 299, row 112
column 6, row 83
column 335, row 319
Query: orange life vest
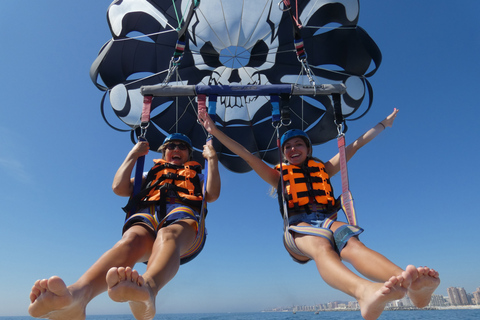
column 182, row 180
column 307, row 184
column 169, row 180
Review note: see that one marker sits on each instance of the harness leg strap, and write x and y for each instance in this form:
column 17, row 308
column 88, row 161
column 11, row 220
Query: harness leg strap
column 343, row 234
column 313, row 231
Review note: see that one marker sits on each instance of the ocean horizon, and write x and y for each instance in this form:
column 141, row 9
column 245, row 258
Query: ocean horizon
column 444, row 314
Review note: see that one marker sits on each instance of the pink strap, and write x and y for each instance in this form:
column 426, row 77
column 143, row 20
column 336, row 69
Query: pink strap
column 147, row 105
column 346, row 198
column 202, row 102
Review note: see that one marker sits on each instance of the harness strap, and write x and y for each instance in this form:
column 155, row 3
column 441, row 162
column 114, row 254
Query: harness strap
column 276, row 114
column 308, row 230
column 145, row 121
column 181, row 41
column 199, row 239
column 346, row 197
column 296, row 23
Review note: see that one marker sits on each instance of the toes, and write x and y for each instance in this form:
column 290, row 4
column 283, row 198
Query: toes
column 56, row 285
column 112, row 277
column 134, row 275
column 136, row 278
column 128, row 273
column 121, row 273
column 42, row 285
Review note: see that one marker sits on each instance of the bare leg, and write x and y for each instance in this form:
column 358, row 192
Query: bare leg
column 141, row 291
column 368, row 262
column 52, row 299
column 424, row 283
column 421, row 282
column 371, row 296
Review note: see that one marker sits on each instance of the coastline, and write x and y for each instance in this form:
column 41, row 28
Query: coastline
column 468, row 307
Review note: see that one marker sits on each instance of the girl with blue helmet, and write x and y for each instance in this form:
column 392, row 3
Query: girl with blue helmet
column 310, row 202
column 162, row 239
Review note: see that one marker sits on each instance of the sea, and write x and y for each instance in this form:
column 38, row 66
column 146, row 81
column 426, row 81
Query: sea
column 470, row 314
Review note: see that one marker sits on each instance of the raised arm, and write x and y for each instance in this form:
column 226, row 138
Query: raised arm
column 122, row 183
column 267, row 173
column 333, row 165
column 213, row 176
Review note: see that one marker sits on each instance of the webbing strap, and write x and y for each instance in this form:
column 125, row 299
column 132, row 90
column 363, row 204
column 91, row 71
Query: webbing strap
column 137, row 184
column 307, row 230
column 181, row 41
column 329, row 221
column 346, row 197
column 282, row 183
column 212, row 107
column 298, row 40
column 145, row 120
column 276, row 116
column 201, row 105
column 147, row 106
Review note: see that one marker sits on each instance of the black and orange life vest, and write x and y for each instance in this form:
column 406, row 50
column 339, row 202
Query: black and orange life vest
column 306, row 185
column 164, row 180
column 183, row 180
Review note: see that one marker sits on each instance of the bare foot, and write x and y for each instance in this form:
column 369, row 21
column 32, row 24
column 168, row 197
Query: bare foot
column 424, row 283
column 377, row 295
column 51, row 299
column 126, row 285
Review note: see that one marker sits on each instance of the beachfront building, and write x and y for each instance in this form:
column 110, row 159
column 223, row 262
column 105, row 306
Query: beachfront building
column 457, row 296
column 438, row 301
column 476, row 297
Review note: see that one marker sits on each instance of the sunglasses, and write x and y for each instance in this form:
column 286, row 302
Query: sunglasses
column 172, row 146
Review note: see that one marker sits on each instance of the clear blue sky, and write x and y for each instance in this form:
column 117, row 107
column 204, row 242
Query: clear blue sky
column 415, row 185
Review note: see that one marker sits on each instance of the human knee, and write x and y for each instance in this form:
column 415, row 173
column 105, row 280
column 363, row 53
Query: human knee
column 354, row 243
column 183, row 229
column 320, row 247
column 134, row 240
column 167, row 234
column 353, row 246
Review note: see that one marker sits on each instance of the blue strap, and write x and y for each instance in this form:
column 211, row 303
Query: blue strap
column 212, row 108
column 137, row 184
column 274, row 101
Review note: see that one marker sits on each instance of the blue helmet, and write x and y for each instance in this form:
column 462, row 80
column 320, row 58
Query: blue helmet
column 178, row 137
column 295, row 133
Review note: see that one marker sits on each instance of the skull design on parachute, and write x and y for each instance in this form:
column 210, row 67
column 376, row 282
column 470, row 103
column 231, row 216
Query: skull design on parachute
column 244, row 42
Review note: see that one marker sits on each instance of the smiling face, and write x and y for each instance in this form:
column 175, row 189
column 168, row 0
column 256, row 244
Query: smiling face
column 296, row 151
column 176, row 152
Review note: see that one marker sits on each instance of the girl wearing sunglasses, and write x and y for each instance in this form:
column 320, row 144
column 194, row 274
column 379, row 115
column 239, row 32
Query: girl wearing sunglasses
column 163, row 231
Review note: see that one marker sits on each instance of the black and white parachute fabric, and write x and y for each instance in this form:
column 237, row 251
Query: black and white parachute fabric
column 235, row 42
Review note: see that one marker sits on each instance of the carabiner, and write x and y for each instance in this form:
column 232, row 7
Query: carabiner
column 284, row 6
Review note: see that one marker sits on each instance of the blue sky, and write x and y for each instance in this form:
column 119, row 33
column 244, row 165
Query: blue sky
column 414, row 185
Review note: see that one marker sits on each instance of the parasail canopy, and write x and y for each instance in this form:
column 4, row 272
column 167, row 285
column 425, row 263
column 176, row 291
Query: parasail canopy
column 242, row 42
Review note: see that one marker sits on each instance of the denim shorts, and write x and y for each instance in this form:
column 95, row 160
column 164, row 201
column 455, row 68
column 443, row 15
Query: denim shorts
column 315, row 218
column 338, row 239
